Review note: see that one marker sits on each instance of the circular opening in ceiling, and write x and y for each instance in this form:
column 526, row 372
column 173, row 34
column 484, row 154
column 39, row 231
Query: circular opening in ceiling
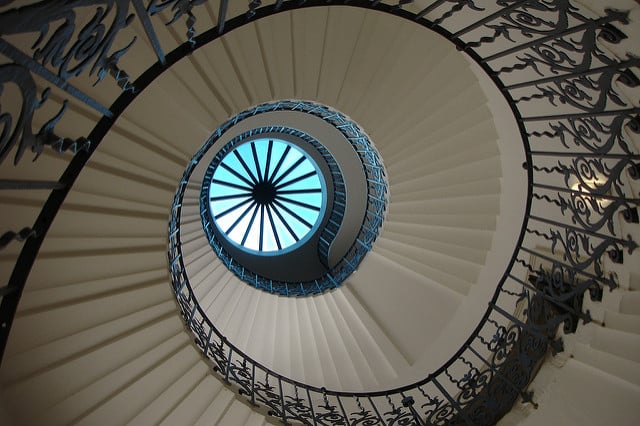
column 267, row 195
column 292, row 195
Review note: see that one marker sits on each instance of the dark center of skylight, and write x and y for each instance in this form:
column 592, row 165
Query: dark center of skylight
column 264, row 193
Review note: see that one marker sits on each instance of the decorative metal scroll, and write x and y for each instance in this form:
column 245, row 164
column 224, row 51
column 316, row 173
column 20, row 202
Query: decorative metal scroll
column 544, row 55
column 20, row 236
column 57, row 55
column 179, row 8
column 18, row 131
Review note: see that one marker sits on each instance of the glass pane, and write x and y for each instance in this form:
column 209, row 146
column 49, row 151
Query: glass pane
column 242, row 199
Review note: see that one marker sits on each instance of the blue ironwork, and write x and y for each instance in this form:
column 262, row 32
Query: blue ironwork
column 373, row 218
column 587, row 145
column 180, row 8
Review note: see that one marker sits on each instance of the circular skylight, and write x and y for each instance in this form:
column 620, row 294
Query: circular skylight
column 292, row 196
column 267, row 195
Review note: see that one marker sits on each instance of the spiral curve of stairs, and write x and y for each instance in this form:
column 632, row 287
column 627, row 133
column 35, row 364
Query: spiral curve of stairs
column 98, row 339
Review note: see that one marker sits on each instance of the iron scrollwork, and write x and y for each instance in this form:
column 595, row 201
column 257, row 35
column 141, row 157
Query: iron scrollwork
column 22, row 235
column 179, row 8
column 266, row 394
column 593, row 133
column 20, row 133
column 297, row 407
column 458, row 6
column 581, row 253
column 596, row 191
column 69, row 56
column 435, row 409
column 241, row 375
column 593, row 175
column 589, row 212
column 529, row 18
column 589, row 93
column 364, row 416
column 570, row 53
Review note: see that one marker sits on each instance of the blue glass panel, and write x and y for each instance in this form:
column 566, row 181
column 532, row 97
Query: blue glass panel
column 234, row 163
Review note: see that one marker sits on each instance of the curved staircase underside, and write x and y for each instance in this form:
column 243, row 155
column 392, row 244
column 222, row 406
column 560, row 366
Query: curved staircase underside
column 97, row 334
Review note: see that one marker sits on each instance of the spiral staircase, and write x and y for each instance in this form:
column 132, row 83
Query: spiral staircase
column 509, row 134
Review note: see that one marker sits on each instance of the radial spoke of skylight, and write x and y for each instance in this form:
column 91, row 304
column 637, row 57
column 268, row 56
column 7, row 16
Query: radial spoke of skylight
column 240, row 217
column 306, row 214
column 297, row 179
column 286, row 225
column 222, row 208
column 301, row 191
column 268, row 162
column 231, row 184
column 234, row 207
column 229, row 197
column 297, row 203
column 232, row 162
column 253, row 218
column 256, row 161
column 293, row 214
column 274, row 230
column 224, row 190
column 281, row 160
column 234, row 173
column 289, row 170
column 253, row 239
column 261, row 228
column 244, row 164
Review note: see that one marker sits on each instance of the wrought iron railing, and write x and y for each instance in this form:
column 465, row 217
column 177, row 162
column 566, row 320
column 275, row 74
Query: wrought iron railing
column 543, row 55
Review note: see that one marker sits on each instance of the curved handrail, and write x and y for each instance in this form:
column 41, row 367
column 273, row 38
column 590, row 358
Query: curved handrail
column 581, row 176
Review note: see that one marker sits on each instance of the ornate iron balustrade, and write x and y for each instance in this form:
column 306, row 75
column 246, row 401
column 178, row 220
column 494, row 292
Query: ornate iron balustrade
column 580, row 160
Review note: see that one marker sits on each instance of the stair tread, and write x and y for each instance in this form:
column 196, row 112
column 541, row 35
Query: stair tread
column 609, row 363
column 137, row 398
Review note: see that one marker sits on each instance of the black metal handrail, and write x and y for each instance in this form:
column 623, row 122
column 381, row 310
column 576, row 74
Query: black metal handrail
column 578, row 158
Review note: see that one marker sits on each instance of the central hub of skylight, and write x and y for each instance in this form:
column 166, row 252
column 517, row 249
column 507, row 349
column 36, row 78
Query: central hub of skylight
column 264, row 193
column 267, row 195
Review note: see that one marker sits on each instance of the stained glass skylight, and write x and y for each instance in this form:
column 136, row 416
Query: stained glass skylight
column 267, row 195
